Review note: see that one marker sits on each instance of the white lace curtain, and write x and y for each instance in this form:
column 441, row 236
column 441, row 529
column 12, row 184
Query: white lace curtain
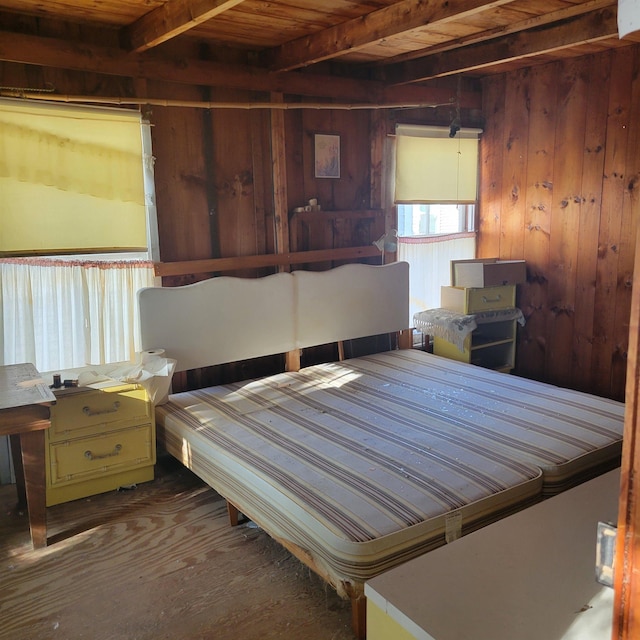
column 429, row 261
column 60, row 314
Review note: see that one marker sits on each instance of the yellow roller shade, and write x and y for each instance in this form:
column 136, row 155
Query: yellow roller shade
column 71, row 179
column 433, row 168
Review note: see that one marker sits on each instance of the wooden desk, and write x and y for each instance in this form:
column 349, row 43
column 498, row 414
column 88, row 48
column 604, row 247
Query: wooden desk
column 24, row 411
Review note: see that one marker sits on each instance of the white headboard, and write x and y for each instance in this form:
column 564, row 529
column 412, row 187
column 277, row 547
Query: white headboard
column 226, row 319
column 351, row 301
column 219, row 320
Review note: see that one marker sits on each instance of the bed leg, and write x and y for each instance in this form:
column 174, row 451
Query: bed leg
column 234, row 514
column 292, row 360
column 405, row 339
column 359, row 617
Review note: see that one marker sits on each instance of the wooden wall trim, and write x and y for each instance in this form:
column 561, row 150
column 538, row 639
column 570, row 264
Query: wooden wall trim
column 214, row 265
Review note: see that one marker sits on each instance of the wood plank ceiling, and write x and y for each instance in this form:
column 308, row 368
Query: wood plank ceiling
column 379, row 50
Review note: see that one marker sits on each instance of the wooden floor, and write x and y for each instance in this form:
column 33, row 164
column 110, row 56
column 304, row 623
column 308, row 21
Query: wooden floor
column 156, row 562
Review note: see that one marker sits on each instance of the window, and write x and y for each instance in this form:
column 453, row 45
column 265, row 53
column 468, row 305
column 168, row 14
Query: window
column 435, row 219
column 435, row 196
column 74, row 180
column 77, row 232
column 433, row 168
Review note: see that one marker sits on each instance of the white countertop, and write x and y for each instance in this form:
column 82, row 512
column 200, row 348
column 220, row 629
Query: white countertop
column 530, row 576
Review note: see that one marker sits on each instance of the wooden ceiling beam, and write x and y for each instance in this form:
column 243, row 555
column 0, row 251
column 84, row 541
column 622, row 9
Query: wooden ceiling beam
column 505, row 30
column 169, row 20
column 396, row 19
column 64, row 54
column 590, row 27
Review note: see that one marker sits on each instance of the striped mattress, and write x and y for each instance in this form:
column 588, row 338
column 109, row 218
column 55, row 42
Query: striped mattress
column 368, row 462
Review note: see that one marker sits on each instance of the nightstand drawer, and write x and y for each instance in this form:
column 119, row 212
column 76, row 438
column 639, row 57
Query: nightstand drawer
column 109, row 407
column 466, row 300
column 83, row 458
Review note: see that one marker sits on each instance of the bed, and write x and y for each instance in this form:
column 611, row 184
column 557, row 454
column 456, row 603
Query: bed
column 360, row 464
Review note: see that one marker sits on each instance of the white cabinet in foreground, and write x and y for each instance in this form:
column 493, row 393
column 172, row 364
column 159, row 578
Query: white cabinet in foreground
column 530, row 576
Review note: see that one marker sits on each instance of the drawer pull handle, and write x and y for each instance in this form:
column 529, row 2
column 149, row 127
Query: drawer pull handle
column 94, row 456
column 87, row 410
column 496, row 299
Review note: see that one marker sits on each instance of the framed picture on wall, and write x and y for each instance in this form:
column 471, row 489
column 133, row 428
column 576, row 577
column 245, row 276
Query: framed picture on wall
column 327, row 155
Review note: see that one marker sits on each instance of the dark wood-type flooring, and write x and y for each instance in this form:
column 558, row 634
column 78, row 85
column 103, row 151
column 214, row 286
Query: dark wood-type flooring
column 156, row 562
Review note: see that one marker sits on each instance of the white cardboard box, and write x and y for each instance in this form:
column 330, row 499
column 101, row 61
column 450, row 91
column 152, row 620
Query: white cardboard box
column 487, row 272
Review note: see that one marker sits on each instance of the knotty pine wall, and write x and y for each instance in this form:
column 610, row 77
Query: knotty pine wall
column 214, row 179
column 560, row 169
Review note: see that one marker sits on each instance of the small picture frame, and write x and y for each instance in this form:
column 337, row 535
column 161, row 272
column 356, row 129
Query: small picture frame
column 327, row 155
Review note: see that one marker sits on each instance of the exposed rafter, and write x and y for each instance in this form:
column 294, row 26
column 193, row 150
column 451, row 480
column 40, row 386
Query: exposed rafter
column 505, row 30
column 171, row 19
column 53, row 52
column 396, row 19
column 591, row 27
column 399, row 44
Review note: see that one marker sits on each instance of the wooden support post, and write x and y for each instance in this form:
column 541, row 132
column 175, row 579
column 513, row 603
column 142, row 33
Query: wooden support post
column 378, row 137
column 279, row 164
column 210, row 183
column 382, row 177
column 626, row 622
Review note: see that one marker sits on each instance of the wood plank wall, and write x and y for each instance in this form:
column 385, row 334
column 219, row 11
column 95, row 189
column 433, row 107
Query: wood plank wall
column 560, row 170
column 214, row 178
column 559, row 173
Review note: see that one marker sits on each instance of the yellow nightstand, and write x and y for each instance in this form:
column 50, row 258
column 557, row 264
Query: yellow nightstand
column 101, row 438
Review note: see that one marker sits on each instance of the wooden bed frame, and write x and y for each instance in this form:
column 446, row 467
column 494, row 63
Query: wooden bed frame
column 281, row 313
column 227, row 319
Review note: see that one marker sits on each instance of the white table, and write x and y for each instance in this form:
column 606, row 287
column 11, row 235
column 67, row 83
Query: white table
column 530, row 576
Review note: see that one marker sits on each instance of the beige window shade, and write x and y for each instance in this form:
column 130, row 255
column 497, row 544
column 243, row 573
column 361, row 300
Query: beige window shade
column 433, row 168
column 71, row 179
